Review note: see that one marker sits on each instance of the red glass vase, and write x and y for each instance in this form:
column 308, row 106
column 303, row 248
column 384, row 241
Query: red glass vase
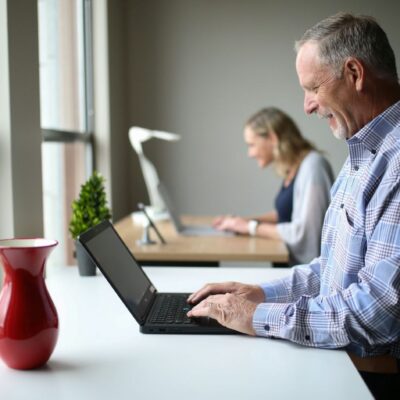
column 28, row 317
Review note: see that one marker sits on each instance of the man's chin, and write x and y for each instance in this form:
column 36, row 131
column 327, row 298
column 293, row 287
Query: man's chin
column 339, row 135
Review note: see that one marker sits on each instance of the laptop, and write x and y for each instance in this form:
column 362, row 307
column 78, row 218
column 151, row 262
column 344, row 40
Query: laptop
column 186, row 230
column 155, row 312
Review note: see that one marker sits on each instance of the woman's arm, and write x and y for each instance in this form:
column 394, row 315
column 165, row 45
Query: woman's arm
column 268, row 230
column 241, row 225
column 270, row 217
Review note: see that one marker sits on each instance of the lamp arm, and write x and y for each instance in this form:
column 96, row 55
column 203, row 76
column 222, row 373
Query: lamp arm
column 138, row 135
column 151, row 180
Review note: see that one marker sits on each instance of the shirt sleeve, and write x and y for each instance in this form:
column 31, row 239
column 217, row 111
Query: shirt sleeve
column 302, row 279
column 365, row 313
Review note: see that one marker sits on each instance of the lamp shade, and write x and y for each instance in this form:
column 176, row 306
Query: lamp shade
column 138, row 135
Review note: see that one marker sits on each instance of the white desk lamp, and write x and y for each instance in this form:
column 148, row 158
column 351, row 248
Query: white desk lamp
column 137, row 136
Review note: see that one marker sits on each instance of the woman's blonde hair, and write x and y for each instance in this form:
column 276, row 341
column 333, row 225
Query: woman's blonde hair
column 291, row 146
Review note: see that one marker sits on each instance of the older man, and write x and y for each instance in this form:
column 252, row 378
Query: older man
column 349, row 297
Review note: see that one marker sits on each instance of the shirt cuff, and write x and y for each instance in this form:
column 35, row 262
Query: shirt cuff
column 276, row 291
column 267, row 319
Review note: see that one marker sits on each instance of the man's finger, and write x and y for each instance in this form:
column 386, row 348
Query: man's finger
column 205, row 309
column 205, row 291
column 201, row 310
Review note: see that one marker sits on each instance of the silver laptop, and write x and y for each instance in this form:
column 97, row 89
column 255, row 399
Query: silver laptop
column 186, row 230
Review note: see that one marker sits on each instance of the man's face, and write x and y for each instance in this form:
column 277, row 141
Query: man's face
column 326, row 94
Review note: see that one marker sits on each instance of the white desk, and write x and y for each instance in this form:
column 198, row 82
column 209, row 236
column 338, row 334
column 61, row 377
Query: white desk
column 100, row 353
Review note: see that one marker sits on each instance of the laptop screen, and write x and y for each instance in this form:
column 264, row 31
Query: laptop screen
column 162, row 190
column 119, row 267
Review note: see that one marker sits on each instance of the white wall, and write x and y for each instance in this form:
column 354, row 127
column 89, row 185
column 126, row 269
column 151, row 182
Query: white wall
column 200, row 68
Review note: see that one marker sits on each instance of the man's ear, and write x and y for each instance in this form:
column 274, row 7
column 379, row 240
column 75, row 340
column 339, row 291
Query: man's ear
column 355, row 70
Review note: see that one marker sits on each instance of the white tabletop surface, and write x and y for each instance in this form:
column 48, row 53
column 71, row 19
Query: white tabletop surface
column 101, row 354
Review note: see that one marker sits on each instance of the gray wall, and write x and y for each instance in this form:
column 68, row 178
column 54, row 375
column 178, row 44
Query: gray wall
column 21, row 211
column 200, row 68
column 111, row 98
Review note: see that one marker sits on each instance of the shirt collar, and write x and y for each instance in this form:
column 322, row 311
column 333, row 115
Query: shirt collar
column 370, row 137
column 373, row 134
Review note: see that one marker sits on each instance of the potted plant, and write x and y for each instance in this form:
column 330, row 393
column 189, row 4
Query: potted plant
column 89, row 209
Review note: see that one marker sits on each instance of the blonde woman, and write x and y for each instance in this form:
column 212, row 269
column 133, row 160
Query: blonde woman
column 273, row 138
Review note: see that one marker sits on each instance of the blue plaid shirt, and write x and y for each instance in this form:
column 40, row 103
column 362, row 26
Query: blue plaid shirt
column 349, row 296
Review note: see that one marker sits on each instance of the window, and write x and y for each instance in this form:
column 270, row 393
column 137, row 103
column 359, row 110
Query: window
column 66, row 101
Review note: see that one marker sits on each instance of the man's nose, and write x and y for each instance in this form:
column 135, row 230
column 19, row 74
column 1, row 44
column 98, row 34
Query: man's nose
column 310, row 104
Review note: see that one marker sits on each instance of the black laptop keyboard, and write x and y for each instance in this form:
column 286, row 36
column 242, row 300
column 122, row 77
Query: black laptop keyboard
column 170, row 309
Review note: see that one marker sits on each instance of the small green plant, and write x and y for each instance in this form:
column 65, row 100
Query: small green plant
column 91, row 206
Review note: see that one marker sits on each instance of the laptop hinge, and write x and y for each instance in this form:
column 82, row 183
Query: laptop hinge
column 153, row 291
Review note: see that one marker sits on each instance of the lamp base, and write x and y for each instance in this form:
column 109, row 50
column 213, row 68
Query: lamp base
column 155, row 214
column 145, row 240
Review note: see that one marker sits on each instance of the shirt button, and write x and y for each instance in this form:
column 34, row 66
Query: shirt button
column 342, row 205
column 373, row 151
column 356, row 168
column 266, row 327
column 307, row 337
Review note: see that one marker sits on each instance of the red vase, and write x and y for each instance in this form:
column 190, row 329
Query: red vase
column 28, row 317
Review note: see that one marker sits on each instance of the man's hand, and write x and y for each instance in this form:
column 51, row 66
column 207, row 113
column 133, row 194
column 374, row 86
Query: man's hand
column 230, row 310
column 252, row 293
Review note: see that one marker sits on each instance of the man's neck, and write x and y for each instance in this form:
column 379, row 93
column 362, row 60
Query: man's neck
column 376, row 97
column 383, row 95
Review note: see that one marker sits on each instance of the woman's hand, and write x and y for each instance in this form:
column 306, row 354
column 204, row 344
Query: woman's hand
column 233, row 224
column 218, row 220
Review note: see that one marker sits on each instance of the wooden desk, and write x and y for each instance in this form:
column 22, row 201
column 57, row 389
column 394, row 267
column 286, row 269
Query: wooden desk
column 199, row 249
column 101, row 354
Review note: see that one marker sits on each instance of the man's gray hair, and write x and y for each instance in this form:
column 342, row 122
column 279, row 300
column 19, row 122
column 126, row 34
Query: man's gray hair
column 344, row 35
